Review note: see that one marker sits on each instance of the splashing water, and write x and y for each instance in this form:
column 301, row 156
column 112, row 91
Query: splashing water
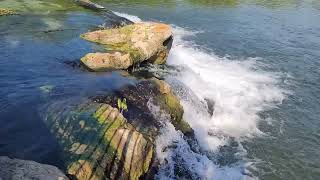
column 237, row 90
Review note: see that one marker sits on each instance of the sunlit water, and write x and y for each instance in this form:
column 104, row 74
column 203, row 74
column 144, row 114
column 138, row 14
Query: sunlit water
column 258, row 61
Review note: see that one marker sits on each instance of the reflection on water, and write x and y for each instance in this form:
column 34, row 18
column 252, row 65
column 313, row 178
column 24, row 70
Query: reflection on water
column 208, row 3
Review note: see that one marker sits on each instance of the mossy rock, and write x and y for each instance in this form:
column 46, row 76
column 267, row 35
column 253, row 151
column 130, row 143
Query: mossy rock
column 139, row 115
column 99, row 143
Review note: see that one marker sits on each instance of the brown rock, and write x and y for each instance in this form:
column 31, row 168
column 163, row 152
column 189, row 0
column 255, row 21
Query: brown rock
column 141, row 42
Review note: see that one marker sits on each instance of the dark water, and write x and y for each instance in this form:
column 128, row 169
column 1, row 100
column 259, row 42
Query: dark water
column 283, row 36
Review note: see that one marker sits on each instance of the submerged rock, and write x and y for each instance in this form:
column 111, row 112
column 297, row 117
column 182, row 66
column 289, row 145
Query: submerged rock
column 7, row 12
column 16, row 169
column 99, row 143
column 132, row 44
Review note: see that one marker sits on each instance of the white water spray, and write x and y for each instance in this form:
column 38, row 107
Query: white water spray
column 239, row 92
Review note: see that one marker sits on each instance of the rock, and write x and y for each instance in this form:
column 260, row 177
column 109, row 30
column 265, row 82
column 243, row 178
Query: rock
column 145, row 41
column 16, row 169
column 103, row 61
column 139, row 114
column 171, row 104
column 99, row 143
column 7, row 12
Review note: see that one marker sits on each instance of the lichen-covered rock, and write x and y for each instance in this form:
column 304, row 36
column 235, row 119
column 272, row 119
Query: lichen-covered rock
column 99, row 143
column 16, row 169
column 7, row 12
column 144, row 41
column 103, row 61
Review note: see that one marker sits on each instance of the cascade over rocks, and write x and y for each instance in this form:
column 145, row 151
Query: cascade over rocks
column 99, row 142
column 16, row 169
column 129, row 45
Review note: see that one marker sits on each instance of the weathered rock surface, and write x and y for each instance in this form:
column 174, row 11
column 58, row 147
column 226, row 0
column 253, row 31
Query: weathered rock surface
column 139, row 42
column 99, row 143
column 159, row 93
column 16, row 169
column 6, row 12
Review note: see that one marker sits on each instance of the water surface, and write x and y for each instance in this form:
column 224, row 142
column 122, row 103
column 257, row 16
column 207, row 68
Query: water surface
column 257, row 59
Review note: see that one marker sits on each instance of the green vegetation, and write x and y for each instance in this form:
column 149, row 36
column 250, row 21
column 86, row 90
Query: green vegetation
column 122, row 105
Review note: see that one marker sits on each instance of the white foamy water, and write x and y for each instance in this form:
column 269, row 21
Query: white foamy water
column 130, row 17
column 174, row 152
column 238, row 91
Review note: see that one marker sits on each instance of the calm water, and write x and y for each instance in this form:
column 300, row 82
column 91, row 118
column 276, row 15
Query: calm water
column 258, row 60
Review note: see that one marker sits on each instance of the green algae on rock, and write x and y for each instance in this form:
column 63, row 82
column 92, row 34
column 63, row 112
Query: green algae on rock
column 7, row 12
column 139, row 115
column 171, row 104
column 99, row 143
column 139, row 42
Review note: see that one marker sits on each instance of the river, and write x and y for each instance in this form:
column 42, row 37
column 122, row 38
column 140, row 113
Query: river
column 257, row 60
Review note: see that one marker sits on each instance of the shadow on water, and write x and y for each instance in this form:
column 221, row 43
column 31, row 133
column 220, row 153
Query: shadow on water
column 25, row 136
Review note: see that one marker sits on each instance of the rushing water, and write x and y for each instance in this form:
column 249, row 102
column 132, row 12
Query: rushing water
column 257, row 60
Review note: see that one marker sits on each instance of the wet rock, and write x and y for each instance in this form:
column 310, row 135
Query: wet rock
column 16, row 169
column 138, row 97
column 99, row 143
column 210, row 105
column 7, row 12
column 137, row 43
column 171, row 104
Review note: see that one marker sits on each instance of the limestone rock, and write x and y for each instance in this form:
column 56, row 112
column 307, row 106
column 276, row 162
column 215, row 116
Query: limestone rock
column 99, row 143
column 6, row 12
column 16, row 169
column 105, row 61
column 144, row 41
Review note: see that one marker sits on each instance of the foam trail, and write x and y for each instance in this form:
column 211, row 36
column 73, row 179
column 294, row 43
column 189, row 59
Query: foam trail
column 174, row 152
column 130, row 17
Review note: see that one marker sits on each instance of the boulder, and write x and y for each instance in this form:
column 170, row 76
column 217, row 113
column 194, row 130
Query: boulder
column 16, row 169
column 6, row 12
column 137, row 43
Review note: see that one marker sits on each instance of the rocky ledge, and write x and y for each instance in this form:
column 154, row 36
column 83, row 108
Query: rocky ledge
column 129, row 45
